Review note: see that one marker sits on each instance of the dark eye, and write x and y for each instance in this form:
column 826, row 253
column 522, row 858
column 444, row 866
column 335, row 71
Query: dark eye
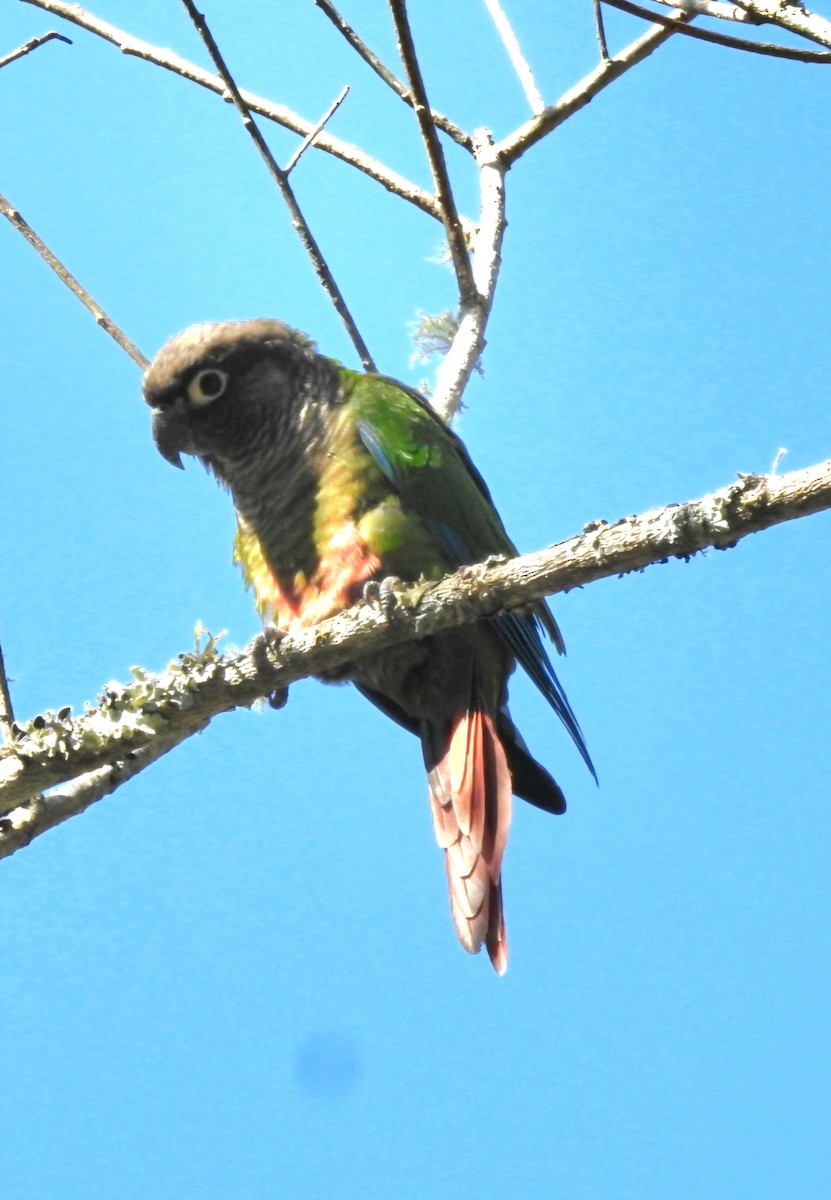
column 207, row 386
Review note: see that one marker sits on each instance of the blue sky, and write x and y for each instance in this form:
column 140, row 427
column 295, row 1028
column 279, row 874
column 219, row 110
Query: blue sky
column 238, row 976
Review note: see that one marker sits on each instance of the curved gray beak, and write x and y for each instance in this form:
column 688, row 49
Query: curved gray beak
column 171, row 434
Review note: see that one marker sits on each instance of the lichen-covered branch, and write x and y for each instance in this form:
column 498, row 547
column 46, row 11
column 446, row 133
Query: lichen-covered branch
column 21, row 825
column 134, row 723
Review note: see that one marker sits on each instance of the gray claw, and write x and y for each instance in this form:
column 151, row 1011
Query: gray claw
column 381, row 595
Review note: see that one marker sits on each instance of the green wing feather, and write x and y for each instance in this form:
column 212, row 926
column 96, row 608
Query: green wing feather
column 429, row 469
column 436, row 482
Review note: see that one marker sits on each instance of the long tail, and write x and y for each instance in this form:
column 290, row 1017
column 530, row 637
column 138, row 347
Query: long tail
column 470, row 795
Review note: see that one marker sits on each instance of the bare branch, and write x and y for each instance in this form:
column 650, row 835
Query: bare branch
column 518, row 60
column 279, row 113
column 107, row 324
column 167, row 708
column 515, row 144
column 310, row 138
column 360, row 47
column 444, row 192
column 33, row 44
column 469, row 341
column 722, row 39
column 54, row 748
column 280, row 177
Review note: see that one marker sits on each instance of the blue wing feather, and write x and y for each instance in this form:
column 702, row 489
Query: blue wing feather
column 369, row 436
column 522, row 634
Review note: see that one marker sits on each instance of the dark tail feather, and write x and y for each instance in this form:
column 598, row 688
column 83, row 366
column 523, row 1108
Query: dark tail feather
column 530, row 781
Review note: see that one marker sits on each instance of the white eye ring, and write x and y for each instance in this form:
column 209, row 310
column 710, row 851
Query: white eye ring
column 207, row 386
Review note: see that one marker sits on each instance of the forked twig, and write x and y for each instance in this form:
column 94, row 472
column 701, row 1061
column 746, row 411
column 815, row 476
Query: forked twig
column 107, row 324
column 280, row 177
column 512, row 147
column 421, row 106
column 383, row 72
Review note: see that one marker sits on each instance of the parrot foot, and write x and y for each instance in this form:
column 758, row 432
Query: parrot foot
column 272, row 637
column 381, row 595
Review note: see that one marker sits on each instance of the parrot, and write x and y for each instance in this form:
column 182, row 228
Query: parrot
column 341, row 479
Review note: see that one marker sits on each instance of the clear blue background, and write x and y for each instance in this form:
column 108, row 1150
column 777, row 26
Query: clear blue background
column 238, row 976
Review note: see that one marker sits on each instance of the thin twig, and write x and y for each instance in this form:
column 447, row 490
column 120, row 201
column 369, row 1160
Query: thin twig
column 722, row 39
column 601, row 31
column 371, row 59
column 530, row 132
column 438, row 167
column 33, row 44
column 309, row 139
column 107, row 324
column 780, row 454
column 280, row 177
column 6, row 709
column 279, row 113
column 518, row 59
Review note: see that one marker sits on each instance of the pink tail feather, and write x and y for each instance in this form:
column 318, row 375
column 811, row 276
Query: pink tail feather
column 470, row 796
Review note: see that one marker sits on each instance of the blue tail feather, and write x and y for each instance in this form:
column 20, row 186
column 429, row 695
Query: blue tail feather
column 522, row 634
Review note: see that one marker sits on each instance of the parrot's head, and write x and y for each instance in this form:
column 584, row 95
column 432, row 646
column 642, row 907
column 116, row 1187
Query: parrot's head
column 225, row 392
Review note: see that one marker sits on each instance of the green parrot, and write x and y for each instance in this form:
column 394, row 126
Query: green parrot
column 340, row 479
